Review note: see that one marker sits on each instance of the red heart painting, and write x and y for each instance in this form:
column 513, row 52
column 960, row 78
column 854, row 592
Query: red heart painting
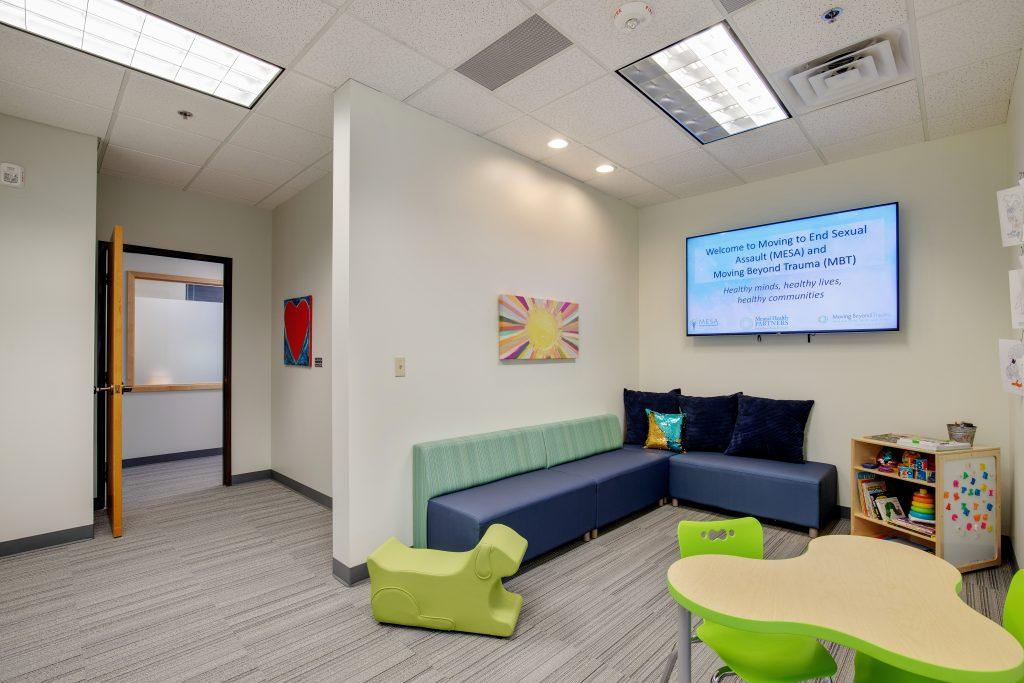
column 298, row 330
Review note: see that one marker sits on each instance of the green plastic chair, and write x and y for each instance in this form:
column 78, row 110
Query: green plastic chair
column 867, row 669
column 754, row 657
column 448, row 591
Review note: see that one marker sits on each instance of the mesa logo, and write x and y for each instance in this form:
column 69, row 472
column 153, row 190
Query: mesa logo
column 703, row 323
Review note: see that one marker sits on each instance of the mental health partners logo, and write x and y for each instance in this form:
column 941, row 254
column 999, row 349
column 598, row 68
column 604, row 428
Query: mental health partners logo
column 822, row 319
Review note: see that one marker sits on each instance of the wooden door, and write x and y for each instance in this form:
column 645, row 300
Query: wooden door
column 115, row 378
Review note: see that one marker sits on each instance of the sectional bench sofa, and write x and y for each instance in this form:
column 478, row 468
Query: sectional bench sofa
column 558, row 482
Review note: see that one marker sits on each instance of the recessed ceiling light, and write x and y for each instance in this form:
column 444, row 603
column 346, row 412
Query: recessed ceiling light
column 708, row 84
column 122, row 33
column 605, row 168
column 558, row 143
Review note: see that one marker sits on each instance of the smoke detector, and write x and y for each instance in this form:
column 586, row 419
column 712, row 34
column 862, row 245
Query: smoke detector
column 632, row 16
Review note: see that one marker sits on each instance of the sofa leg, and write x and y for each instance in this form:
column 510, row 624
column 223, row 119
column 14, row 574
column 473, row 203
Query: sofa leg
column 593, row 534
column 662, row 501
column 812, row 532
column 586, row 537
column 675, row 502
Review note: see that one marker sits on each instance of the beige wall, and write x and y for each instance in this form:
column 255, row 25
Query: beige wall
column 157, row 216
column 47, row 276
column 437, row 223
column 942, row 366
column 1015, row 126
column 301, row 397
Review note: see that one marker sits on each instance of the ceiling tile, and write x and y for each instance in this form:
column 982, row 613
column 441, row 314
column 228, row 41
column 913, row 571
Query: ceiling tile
column 882, row 110
column 152, row 138
column 249, row 164
column 274, row 30
column 560, row 75
column 537, row 4
column 351, row 49
column 447, row 31
column 149, row 166
column 281, row 140
column 326, row 162
column 760, row 145
column 655, row 196
column 688, row 167
column 651, row 140
column 529, row 137
column 597, row 110
column 158, row 101
column 876, row 142
column 37, row 63
column 621, row 183
column 292, row 187
column 590, row 24
column 53, row 110
column 712, row 183
column 969, row 87
column 981, row 117
column 301, row 102
column 460, row 101
column 577, row 161
column 783, row 166
column 969, row 32
column 925, row 7
column 785, row 33
column 230, row 186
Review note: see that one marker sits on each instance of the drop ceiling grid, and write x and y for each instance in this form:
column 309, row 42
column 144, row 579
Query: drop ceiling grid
column 774, row 151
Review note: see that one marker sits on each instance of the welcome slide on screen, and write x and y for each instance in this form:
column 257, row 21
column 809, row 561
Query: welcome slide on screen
column 830, row 273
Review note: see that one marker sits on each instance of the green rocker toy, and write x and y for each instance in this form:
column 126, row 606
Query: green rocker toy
column 445, row 590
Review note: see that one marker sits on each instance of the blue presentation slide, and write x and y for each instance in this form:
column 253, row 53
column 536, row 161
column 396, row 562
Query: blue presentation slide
column 833, row 273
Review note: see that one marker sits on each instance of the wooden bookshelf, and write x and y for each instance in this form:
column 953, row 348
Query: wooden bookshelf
column 976, row 547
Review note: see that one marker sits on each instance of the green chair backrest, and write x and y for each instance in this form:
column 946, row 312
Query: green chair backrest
column 575, row 439
column 1013, row 608
column 741, row 537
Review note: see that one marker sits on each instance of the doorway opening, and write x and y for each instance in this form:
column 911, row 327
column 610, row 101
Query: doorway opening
column 177, row 361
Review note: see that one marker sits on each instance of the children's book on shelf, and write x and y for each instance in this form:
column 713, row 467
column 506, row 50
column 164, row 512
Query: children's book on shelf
column 913, row 525
column 931, row 445
column 871, row 488
column 889, row 507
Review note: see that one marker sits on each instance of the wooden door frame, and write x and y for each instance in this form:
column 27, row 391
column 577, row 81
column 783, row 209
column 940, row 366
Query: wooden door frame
column 102, row 249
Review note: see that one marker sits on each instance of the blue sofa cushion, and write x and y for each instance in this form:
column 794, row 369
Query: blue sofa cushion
column 802, row 493
column 769, row 428
column 627, row 480
column 546, row 507
column 635, row 405
column 709, row 421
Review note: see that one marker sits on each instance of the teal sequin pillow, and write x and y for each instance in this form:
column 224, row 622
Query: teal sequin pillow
column 665, row 431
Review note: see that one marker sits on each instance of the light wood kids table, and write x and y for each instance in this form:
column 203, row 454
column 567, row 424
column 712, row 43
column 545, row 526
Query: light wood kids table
column 897, row 604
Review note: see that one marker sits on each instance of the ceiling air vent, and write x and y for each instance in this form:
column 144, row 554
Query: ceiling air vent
column 860, row 69
column 519, row 50
column 733, row 5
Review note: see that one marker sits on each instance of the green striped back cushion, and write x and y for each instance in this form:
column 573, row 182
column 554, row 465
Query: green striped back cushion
column 575, row 439
column 441, row 467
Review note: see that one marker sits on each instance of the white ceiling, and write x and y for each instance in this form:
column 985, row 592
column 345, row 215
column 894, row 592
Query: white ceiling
column 967, row 53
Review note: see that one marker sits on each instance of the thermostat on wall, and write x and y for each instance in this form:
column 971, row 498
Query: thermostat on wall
column 12, row 175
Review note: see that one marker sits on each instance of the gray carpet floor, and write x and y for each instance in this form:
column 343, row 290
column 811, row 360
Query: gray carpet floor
column 218, row 583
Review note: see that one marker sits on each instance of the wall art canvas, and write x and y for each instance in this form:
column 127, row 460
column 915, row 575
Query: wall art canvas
column 1011, row 360
column 298, row 330
column 537, row 329
column 1017, row 298
column 1011, row 215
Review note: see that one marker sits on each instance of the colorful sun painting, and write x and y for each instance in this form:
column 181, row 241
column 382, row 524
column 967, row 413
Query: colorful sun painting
column 537, row 329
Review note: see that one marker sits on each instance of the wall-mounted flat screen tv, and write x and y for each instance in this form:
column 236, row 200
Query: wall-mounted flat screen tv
column 837, row 272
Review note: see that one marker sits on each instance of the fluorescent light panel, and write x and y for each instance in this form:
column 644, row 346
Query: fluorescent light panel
column 122, row 33
column 708, row 84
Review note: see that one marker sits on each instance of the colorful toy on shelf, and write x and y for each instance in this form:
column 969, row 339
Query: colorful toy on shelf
column 922, row 508
column 887, row 460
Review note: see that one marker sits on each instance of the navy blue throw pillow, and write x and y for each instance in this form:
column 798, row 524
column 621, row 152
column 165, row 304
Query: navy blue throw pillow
column 770, row 429
column 635, row 405
column 709, row 421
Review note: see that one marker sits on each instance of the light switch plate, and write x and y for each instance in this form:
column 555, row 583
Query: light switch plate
column 399, row 366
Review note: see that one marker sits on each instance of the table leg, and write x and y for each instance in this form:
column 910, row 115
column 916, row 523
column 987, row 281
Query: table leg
column 683, row 646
